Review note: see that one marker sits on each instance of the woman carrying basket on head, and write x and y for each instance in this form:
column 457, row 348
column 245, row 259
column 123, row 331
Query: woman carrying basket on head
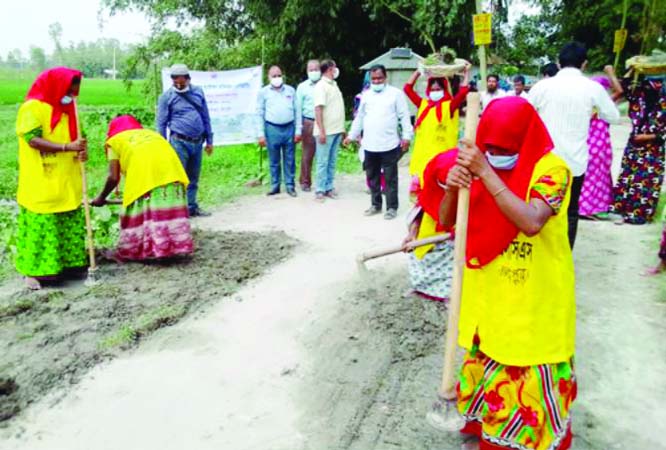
column 436, row 131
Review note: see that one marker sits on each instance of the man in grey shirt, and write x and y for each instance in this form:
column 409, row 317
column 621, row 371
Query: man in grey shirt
column 183, row 110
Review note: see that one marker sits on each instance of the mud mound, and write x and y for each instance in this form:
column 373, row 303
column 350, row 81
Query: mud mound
column 50, row 338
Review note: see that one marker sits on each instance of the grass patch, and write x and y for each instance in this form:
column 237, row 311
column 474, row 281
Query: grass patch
column 93, row 91
column 144, row 325
column 18, row 307
column 122, row 338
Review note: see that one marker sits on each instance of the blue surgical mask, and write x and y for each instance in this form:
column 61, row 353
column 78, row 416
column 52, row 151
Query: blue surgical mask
column 314, row 76
column 377, row 87
column 66, row 100
column 502, row 162
column 436, row 96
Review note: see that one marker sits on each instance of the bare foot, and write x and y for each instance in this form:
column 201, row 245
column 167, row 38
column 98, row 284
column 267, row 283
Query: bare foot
column 471, row 444
column 111, row 255
column 33, row 283
column 652, row 271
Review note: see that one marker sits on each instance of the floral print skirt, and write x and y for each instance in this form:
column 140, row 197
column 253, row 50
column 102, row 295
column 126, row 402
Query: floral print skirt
column 636, row 193
column 430, row 276
column 516, row 407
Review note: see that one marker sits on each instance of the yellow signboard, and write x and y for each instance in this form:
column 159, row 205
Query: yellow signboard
column 620, row 40
column 483, row 32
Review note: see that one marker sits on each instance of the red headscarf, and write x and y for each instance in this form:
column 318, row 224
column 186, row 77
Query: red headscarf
column 122, row 123
column 50, row 87
column 438, row 104
column 509, row 123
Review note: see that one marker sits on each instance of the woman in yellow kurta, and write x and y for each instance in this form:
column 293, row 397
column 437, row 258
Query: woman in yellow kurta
column 436, row 131
column 154, row 222
column 51, row 224
column 517, row 318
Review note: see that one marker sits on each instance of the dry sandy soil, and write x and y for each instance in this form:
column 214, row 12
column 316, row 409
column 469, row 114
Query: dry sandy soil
column 309, row 356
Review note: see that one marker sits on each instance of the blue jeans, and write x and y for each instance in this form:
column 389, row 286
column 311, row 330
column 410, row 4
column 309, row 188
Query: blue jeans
column 326, row 156
column 190, row 156
column 281, row 148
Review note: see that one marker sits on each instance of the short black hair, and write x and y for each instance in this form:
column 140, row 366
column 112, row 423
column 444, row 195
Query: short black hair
column 327, row 64
column 378, row 67
column 550, row 69
column 519, row 79
column 438, row 81
column 493, row 75
column 573, row 54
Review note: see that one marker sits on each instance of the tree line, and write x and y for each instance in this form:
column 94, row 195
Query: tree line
column 95, row 59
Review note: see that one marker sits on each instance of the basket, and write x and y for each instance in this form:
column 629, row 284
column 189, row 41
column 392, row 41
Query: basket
column 443, row 70
column 654, row 64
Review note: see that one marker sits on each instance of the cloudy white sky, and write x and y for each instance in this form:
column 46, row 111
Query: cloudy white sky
column 26, row 22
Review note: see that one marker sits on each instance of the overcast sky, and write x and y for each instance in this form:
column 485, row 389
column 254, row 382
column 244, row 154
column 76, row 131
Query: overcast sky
column 26, row 22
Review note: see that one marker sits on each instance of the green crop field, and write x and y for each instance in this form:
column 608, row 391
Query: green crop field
column 223, row 177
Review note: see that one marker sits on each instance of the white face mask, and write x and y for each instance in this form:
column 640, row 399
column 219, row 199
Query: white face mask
column 377, row 87
column 66, row 100
column 502, row 162
column 276, row 82
column 314, row 76
column 436, row 96
column 336, row 73
column 183, row 90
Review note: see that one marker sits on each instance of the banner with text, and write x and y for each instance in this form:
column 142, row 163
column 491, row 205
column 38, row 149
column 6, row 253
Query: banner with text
column 232, row 97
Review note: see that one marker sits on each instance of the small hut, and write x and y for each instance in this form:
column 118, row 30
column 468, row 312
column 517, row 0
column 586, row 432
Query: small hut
column 400, row 63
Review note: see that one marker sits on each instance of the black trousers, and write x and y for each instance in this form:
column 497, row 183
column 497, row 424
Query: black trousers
column 576, row 187
column 375, row 163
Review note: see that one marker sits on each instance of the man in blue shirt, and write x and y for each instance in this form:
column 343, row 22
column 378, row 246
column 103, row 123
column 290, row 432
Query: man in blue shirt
column 305, row 103
column 279, row 128
column 183, row 110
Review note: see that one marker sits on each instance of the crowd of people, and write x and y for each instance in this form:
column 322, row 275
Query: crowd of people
column 541, row 159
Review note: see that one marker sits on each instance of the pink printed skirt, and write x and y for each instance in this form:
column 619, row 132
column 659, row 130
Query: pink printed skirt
column 596, row 195
column 156, row 225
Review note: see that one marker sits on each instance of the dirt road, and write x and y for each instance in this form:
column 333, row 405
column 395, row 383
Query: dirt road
column 311, row 357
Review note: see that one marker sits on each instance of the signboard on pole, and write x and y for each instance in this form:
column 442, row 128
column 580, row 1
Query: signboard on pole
column 620, row 40
column 483, row 31
column 232, row 98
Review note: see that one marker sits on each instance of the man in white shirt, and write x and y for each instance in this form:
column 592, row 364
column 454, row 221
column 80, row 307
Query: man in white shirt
column 566, row 102
column 492, row 91
column 383, row 110
column 518, row 87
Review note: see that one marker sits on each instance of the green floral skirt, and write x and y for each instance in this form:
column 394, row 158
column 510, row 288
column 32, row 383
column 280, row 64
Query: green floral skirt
column 47, row 244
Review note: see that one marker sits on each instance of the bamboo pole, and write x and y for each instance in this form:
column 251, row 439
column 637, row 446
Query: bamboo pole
column 483, row 69
column 448, row 387
column 625, row 9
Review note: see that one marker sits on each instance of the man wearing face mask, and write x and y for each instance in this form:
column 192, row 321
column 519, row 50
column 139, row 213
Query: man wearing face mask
column 305, row 104
column 383, row 108
column 279, row 121
column 329, row 128
column 184, row 111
